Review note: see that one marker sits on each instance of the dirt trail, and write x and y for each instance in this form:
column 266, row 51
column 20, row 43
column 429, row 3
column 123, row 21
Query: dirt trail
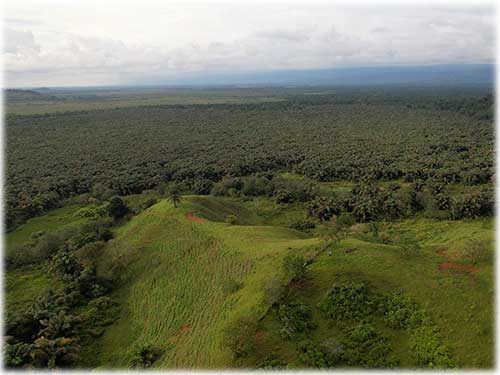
column 190, row 216
column 448, row 266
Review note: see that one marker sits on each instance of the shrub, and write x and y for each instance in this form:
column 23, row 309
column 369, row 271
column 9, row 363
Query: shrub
column 57, row 352
column 47, row 245
column 231, row 219
column 272, row 362
column 310, row 355
column 101, row 311
column 65, row 265
column 296, row 319
column 365, row 347
column 145, row 356
column 347, row 301
column 303, row 225
column 117, row 208
column 89, row 253
column 323, row 208
column 239, row 336
column 17, row 354
column 427, row 350
column 294, row 266
column 21, row 255
column 227, row 186
column 401, row 312
column 202, row 186
column 346, row 219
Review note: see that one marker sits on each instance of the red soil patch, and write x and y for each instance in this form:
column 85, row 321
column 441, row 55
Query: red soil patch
column 190, row 216
column 459, row 268
column 447, row 266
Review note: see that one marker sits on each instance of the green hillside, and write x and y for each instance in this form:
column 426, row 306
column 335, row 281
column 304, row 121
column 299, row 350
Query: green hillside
column 184, row 281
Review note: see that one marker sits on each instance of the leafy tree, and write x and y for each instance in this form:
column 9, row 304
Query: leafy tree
column 117, row 208
column 174, row 195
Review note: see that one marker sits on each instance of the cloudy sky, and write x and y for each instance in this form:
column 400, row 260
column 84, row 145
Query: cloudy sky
column 72, row 43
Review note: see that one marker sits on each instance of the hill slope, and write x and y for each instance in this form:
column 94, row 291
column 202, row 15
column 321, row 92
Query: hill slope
column 182, row 282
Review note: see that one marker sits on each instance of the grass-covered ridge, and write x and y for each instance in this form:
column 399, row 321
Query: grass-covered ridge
column 186, row 281
column 183, row 283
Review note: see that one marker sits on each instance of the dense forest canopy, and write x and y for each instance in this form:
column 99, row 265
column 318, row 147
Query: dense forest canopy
column 343, row 134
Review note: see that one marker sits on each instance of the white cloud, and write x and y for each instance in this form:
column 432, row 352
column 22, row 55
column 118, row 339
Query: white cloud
column 58, row 43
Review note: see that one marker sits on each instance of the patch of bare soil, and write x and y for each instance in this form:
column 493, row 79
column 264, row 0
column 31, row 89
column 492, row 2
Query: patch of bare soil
column 191, row 217
column 453, row 267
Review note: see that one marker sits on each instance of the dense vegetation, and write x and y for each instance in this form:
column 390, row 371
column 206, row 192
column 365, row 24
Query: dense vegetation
column 327, row 138
column 307, row 231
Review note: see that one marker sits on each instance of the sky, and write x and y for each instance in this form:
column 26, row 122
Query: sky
column 87, row 43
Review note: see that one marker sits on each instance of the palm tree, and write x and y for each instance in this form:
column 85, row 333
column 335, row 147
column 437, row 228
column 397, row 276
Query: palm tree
column 174, row 196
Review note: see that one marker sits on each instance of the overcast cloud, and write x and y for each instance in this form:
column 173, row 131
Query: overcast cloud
column 57, row 43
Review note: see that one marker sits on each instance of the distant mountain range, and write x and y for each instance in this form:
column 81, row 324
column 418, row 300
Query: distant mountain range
column 394, row 75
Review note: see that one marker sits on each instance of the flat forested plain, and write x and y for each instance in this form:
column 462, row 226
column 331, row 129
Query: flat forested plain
column 250, row 227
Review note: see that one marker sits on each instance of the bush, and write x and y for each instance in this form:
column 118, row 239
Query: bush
column 117, row 208
column 57, row 352
column 303, row 225
column 310, row 355
column 323, row 208
column 89, row 253
column 296, row 319
column 255, row 186
column 48, row 244
column 294, row 266
column 345, row 219
column 239, row 336
column 367, row 348
column 17, row 354
column 401, row 312
column 347, row 301
column 101, row 311
column 65, row 265
column 227, row 186
column 231, row 219
column 272, row 362
column 145, row 356
column 21, row 255
column 427, row 350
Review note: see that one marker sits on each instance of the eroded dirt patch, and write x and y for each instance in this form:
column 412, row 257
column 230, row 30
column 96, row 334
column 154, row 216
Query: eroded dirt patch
column 191, row 217
column 460, row 268
column 453, row 267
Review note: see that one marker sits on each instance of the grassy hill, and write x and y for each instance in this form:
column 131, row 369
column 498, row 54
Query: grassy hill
column 184, row 276
column 183, row 281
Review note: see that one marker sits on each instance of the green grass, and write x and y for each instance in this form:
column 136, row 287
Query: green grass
column 174, row 293
column 460, row 304
column 121, row 99
column 52, row 221
column 176, row 286
column 22, row 287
